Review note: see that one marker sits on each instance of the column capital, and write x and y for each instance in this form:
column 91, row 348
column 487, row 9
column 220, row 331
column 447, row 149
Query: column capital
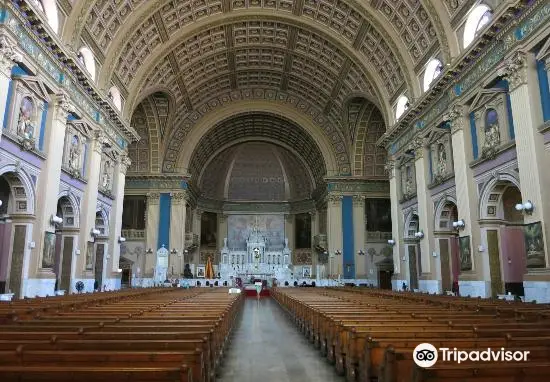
column 389, row 167
column 334, row 198
column 418, row 145
column 198, row 212
column 223, row 218
column 63, row 106
column 455, row 116
column 8, row 55
column 153, row 198
column 124, row 162
column 515, row 70
column 359, row 200
column 99, row 139
column 179, row 198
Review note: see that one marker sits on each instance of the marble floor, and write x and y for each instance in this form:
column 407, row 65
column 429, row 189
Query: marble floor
column 266, row 347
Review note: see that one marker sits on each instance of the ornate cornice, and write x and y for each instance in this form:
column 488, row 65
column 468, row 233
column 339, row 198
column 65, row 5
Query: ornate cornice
column 498, row 38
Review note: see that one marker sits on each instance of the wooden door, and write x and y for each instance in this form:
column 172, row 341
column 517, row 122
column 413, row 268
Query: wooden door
column 384, row 280
column 17, row 256
column 444, row 257
column 413, row 267
column 66, row 263
column 494, row 263
column 98, row 270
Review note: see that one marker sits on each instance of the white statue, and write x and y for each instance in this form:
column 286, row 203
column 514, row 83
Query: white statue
column 74, row 155
column 442, row 163
column 106, row 178
column 286, row 242
column 225, row 242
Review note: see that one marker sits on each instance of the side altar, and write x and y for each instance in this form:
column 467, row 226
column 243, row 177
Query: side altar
column 260, row 259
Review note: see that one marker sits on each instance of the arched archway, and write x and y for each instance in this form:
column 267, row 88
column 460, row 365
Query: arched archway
column 66, row 237
column 503, row 227
column 447, row 235
column 102, row 225
column 17, row 201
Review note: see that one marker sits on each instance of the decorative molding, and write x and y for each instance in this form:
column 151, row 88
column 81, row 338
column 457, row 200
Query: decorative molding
column 8, row 55
column 355, row 186
column 389, row 167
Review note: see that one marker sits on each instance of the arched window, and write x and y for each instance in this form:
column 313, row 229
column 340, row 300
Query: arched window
column 479, row 17
column 433, row 70
column 87, row 58
column 114, row 95
column 401, row 106
column 49, row 8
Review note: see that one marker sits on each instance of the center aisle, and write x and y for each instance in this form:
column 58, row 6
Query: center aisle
column 267, row 348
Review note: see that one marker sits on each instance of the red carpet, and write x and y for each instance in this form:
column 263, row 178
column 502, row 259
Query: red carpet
column 252, row 293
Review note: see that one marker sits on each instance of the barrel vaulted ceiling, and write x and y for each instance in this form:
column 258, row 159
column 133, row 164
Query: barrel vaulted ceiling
column 318, row 54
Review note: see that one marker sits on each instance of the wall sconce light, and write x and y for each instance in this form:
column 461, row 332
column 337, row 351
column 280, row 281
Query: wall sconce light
column 119, row 270
column 526, row 207
column 391, row 242
column 32, row 245
column 360, row 252
column 337, row 252
column 419, row 234
column 95, row 232
column 121, row 239
column 149, row 251
column 509, row 261
column 459, row 224
column 434, row 254
column 54, row 219
column 174, row 251
column 403, row 258
column 77, row 252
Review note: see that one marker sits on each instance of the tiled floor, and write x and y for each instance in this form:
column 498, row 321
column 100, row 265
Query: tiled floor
column 266, row 347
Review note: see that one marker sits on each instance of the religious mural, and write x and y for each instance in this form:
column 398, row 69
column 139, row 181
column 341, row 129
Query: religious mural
column 465, row 253
column 378, row 215
column 302, row 230
column 49, row 250
column 534, row 244
column 240, row 226
column 209, row 229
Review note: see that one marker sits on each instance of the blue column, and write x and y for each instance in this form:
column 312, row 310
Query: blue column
column 348, row 250
column 164, row 221
column 544, row 90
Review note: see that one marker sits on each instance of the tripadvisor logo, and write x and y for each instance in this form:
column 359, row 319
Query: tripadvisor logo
column 426, row 355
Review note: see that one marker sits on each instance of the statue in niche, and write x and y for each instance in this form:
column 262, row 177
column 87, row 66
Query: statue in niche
column 187, row 272
column 409, row 183
column 24, row 125
column 106, row 177
column 492, row 134
column 442, row 160
column 74, row 156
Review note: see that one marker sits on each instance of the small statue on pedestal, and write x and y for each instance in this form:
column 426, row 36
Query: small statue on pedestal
column 187, row 272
